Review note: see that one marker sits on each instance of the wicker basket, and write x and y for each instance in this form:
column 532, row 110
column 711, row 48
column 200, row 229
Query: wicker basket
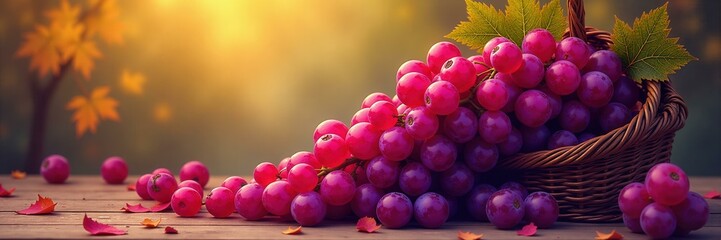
column 586, row 178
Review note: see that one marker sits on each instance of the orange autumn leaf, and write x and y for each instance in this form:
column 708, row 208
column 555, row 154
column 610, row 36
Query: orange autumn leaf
column 469, row 236
column 89, row 111
column 43, row 205
column 293, row 231
column 103, row 20
column 45, row 45
column 17, row 174
column 6, row 193
column 132, row 82
column 367, row 224
column 149, row 223
column 83, row 54
column 64, row 15
column 613, row 235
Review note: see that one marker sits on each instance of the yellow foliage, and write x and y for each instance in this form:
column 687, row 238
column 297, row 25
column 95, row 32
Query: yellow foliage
column 83, row 53
column 132, row 82
column 104, row 21
column 89, row 111
column 65, row 15
column 45, row 45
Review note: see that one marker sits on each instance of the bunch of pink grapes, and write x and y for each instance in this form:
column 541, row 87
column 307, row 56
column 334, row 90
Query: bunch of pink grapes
column 662, row 205
column 420, row 154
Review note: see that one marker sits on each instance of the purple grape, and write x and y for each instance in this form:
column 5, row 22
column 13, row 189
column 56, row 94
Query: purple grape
column 574, row 50
column 632, row 199
column 460, row 72
column 308, row 209
column 277, row 197
column 562, row 138
column 506, row 57
column 381, row 172
column 494, row 126
column 574, row 116
column 365, row 200
column 394, row 210
column 692, row 214
column 539, row 42
column 633, row 224
column 337, row 188
column 535, row 139
column 555, row 100
column 490, row 45
column 477, row 199
column 515, row 187
column 658, row 221
column 530, row 74
column 411, row 87
column 460, row 126
column 337, row 212
column 596, row 89
column 626, row 92
column 421, row 123
column 512, row 145
column 533, row 108
column 605, row 61
column 438, row 153
column 492, row 95
column 431, row 210
column 614, row 115
column 396, row 144
column 513, row 93
column 249, row 202
column 562, row 77
column 440, row 53
column 414, row 179
column 413, row 66
column 456, row 181
column 442, row 98
column 480, row 156
column 505, row 209
column 541, row 209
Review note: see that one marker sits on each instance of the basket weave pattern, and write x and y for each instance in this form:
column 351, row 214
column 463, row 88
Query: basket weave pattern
column 586, row 178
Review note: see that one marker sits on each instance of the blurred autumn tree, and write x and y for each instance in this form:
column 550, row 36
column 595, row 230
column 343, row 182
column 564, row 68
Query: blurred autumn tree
column 68, row 43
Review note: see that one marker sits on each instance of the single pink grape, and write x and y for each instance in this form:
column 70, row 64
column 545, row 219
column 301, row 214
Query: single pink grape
column 196, row 171
column 161, row 187
column 234, row 183
column 186, row 202
column 141, row 187
column 191, row 184
column 114, row 170
column 55, row 169
column 220, row 202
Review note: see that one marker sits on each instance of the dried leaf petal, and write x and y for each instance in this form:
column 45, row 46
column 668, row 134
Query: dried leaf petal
column 367, row 224
column 135, row 208
column 42, row 206
column 17, row 174
column 149, row 223
column 293, row 231
column 131, row 187
column 160, row 207
column 469, row 236
column 528, row 230
column 96, row 228
column 170, row 230
column 613, row 235
column 713, row 194
column 6, row 193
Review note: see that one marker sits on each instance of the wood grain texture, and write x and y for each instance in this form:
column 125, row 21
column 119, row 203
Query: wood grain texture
column 89, row 194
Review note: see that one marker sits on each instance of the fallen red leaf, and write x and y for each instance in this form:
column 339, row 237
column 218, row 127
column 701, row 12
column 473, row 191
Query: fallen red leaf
column 713, row 194
column 613, row 235
column 160, row 207
column 96, row 228
column 367, row 224
column 131, row 187
column 293, row 231
column 170, row 230
column 149, row 223
column 6, row 193
column 135, row 208
column 469, row 236
column 528, row 230
column 42, row 206
column 17, row 174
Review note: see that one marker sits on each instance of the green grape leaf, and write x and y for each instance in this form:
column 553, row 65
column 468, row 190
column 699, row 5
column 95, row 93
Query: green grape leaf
column 646, row 50
column 486, row 22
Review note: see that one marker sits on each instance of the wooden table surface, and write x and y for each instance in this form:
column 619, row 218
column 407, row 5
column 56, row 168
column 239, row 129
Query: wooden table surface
column 102, row 202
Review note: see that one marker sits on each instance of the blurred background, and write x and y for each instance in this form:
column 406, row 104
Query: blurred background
column 235, row 83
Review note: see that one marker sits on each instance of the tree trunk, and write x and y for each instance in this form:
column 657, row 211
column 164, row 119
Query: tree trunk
column 36, row 147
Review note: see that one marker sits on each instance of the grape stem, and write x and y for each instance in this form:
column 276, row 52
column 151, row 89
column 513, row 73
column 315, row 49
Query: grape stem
column 324, row 171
